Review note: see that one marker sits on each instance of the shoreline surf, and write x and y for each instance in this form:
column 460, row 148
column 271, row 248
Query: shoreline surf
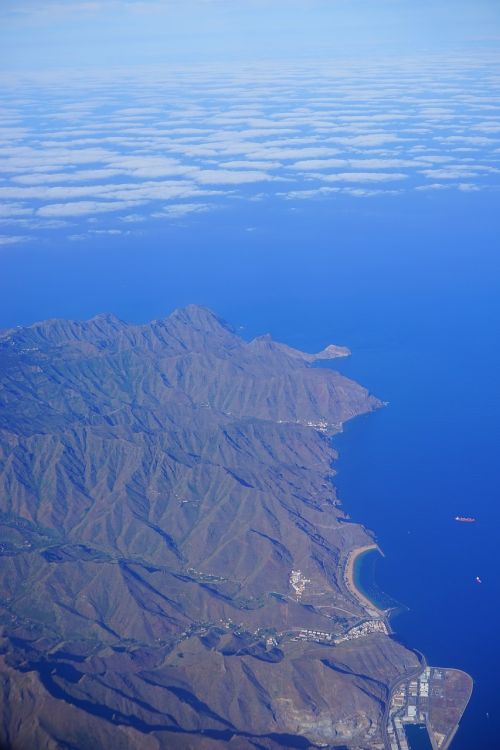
column 350, row 578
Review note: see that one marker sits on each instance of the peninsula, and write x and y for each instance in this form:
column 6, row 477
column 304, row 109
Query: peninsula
column 177, row 571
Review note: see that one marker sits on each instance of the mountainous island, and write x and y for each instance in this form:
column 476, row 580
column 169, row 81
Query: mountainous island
column 175, row 566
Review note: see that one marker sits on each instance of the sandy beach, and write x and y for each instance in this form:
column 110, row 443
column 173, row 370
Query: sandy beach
column 349, row 578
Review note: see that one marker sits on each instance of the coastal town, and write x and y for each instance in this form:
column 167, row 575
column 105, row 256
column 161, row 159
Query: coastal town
column 368, row 627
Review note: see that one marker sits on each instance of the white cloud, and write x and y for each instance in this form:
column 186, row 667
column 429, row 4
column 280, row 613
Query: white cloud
column 110, row 232
column 249, row 164
column 468, row 187
column 380, row 163
column 13, row 239
column 180, row 210
column 230, row 177
column 306, row 194
column 193, row 137
column 8, row 210
column 84, row 175
column 314, row 164
column 364, row 177
column 367, row 193
column 133, row 218
column 471, row 140
column 458, row 171
column 84, row 208
column 434, row 186
column 138, row 192
column 371, row 139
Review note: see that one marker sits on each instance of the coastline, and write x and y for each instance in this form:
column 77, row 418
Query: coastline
column 350, row 580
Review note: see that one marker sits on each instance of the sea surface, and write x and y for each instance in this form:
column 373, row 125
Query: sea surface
column 365, row 576
column 412, row 285
column 418, row 737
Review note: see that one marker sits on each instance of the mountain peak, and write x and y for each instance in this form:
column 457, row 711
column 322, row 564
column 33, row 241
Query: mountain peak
column 198, row 319
column 109, row 318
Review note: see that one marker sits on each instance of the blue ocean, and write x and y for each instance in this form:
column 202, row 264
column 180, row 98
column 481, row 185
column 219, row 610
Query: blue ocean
column 411, row 285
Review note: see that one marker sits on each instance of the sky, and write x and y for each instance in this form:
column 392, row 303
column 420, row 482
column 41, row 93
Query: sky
column 122, row 116
column 39, row 34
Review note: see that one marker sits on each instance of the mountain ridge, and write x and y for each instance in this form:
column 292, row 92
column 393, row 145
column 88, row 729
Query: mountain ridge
column 168, row 515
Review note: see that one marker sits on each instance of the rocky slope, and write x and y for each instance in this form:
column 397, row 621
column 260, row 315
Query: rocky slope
column 168, row 527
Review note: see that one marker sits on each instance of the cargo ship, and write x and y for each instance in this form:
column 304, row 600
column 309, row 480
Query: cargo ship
column 465, row 519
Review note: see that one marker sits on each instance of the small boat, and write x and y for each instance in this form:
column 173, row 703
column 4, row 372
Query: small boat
column 465, row 519
column 478, row 580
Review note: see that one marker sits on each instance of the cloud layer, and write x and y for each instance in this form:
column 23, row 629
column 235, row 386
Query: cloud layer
column 168, row 144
